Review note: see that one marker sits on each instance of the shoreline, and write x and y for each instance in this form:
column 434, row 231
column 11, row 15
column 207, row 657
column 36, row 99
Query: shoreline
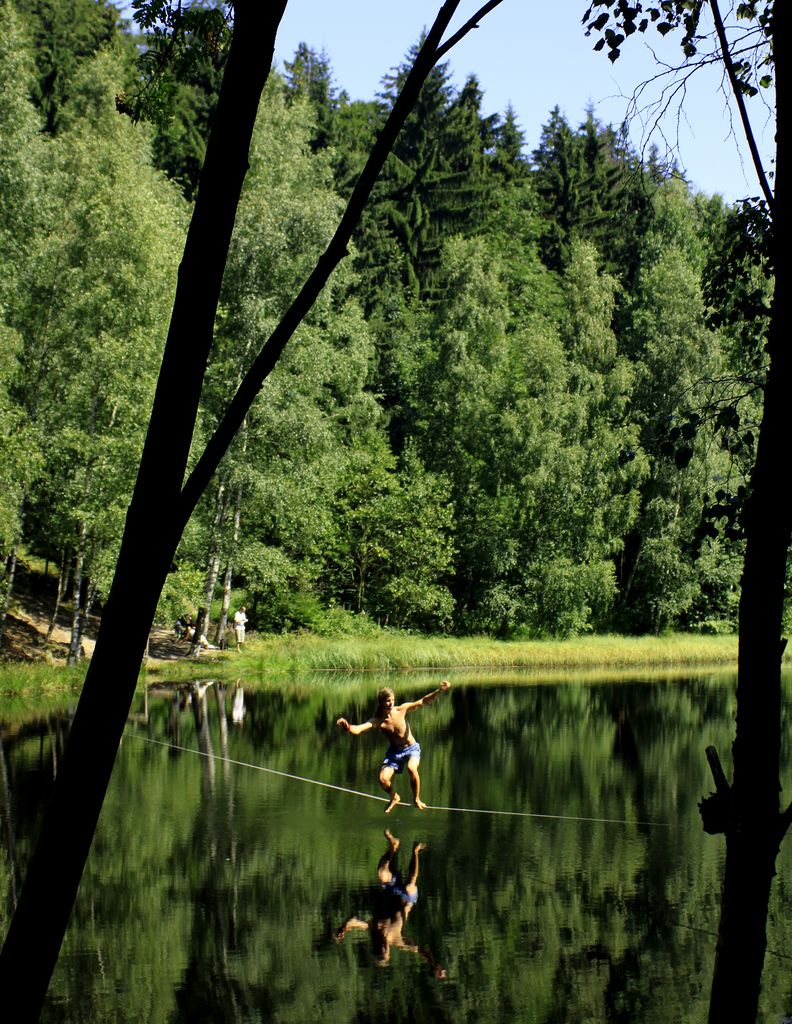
column 40, row 667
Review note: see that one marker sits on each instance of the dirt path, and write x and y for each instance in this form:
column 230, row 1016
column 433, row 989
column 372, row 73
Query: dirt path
column 25, row 636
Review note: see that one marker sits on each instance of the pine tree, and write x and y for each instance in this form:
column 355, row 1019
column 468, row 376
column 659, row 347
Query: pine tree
column 508, row 160
column 439, row 182
column 591, row 186
column 63, row 33
column 310, row 76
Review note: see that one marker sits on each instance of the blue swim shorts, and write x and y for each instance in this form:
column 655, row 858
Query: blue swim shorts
column 396, row 886
column 397, row 757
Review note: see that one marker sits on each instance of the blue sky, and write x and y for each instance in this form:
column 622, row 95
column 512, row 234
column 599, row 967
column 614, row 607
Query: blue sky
column 535, row 57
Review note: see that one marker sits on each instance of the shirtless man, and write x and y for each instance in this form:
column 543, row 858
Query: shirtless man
column 391, row 719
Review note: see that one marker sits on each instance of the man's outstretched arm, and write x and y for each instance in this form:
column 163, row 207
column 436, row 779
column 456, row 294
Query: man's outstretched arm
column 356, row 730
column 428, row 699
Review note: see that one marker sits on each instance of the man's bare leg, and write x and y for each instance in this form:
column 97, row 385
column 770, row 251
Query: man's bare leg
column 412, row 881
column 385, row 781
column 384, row 872
column 415, row 782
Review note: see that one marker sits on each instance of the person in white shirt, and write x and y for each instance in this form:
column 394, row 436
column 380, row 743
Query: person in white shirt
column 239, row 627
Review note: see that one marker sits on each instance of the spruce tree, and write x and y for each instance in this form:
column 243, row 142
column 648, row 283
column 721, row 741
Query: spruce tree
column 310, row 76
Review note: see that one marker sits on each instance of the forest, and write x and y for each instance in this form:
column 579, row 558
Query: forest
column 525, row 407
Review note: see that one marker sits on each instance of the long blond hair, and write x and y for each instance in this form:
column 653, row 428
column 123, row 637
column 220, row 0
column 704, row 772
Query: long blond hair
column 383, row 695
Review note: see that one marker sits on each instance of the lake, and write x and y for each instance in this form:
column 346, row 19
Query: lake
column 241, row 871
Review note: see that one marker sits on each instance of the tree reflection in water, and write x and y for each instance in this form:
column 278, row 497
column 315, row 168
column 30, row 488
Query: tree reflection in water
column 215, row 881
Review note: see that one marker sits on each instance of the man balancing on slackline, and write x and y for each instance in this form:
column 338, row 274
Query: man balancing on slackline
column 391, row 718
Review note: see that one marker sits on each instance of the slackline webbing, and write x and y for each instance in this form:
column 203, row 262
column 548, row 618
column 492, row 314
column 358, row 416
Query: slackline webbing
column 402, row 803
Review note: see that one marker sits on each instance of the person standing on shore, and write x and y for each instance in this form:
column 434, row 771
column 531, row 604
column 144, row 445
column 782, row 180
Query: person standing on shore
column 240, row 620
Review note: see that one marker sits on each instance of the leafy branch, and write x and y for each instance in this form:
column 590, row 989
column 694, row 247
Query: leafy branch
column 180, row 40
column 749, row 68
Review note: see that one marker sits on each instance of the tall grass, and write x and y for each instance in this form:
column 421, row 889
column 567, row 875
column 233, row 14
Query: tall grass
column 307, row 655
column 397, row 652
column 37, row 679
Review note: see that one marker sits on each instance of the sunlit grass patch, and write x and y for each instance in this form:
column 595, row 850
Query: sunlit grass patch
column 400, row 652
column 35, row 679
column 305, row 654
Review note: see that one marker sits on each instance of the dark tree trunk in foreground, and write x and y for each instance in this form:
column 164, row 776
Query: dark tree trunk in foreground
column 161, row 506
column 153, row 529
column 749, row 811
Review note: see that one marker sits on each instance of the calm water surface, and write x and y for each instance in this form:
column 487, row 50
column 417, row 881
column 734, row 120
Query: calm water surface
column 570, row 881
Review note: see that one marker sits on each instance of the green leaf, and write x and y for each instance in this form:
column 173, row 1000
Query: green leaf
column 682, row 457
column 688, row 431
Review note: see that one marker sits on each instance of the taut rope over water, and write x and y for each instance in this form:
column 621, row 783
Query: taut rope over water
column 373, row 796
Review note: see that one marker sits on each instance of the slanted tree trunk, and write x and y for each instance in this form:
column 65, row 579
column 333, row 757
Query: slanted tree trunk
column 749, row 811
column 153, row 527
column 161, row 506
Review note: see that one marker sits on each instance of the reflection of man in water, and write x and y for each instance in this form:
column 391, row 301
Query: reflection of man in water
column 392, row 906
column 391, row 719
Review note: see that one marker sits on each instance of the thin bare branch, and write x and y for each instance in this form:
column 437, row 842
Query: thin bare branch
column 740, row 99
column 467, row 27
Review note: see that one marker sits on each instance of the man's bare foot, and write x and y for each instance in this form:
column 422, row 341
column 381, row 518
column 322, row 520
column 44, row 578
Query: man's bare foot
column 395, row 799
column 418, row 847
column 395, row 843
column 420, row 805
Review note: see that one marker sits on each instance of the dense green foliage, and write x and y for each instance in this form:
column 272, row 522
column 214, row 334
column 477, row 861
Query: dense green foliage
column 522, row 407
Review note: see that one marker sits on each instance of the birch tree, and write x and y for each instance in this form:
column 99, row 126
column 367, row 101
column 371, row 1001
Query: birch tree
column 22, row 214
column 113, row 244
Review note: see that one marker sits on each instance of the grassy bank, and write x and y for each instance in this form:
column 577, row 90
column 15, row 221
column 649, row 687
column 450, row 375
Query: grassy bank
column 391, row 652
column 295, row 656
column 37, row 680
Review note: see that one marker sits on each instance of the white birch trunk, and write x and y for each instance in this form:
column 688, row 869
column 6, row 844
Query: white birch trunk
column 213, row 567
column 222, row 625
column 11, row 569
column 76, row 626
column 63, row 583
